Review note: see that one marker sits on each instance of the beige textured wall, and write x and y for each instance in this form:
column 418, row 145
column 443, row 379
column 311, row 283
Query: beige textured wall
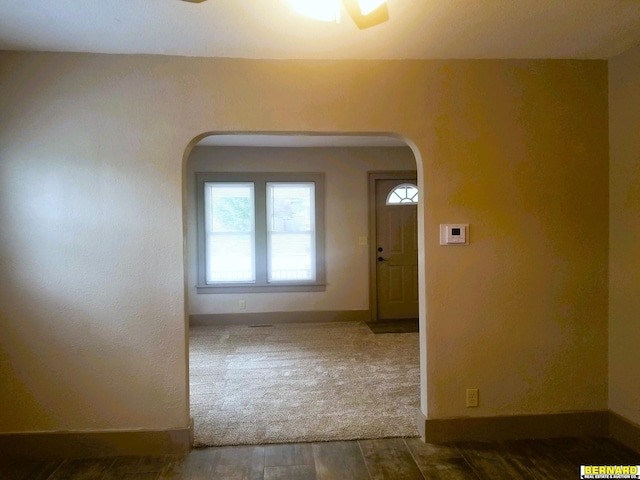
column 91, row 166
column 346, row 216
column 519, row 151
column 624, row 240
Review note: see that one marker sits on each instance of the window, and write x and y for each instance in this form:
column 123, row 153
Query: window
column 290, row 231
column 260, row 232
column 229, row 219
column 403, row 194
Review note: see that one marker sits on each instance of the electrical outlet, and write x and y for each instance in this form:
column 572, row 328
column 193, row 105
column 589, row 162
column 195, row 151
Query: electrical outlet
column 472, row 397
column 242, row 304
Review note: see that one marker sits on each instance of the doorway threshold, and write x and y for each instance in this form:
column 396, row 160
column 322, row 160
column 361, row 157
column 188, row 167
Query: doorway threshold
column 400, row 325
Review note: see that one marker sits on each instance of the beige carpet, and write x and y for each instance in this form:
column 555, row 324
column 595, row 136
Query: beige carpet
column 301, row 382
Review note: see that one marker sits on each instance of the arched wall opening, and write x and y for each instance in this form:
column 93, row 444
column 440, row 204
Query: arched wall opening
column 368, row 152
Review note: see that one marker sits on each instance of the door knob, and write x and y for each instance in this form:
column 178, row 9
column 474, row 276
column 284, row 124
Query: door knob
column 379, row 249
column 380, row 259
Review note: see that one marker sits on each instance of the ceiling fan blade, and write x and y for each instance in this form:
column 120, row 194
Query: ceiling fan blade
column 194, row 1
column 376, row 17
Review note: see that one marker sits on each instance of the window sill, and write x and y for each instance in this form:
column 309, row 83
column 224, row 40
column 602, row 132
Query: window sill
column 279, row 288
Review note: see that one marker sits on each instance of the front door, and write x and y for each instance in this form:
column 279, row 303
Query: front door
column 396, row 245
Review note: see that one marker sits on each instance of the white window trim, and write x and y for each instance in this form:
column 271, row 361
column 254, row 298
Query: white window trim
column 411, row 201
column 261, row 284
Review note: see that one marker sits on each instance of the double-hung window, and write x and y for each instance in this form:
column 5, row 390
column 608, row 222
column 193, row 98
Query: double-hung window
column 260, row 232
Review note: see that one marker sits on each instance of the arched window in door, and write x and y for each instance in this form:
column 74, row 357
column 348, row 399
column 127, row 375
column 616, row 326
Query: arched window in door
column 403, row 194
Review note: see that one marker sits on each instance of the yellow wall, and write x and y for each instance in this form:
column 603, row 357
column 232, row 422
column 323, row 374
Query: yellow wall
column 624, row 256
column 91, row 167
column 519, row 151
column 346, row 216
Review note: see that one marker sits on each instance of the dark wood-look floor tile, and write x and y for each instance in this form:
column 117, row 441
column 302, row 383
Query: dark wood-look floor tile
column 541, row 462
column 581, row 451
column 175, row 468
column 488, row 461
column 290, row 472
column 339, row 461
column 239, row 463
column 137, row 468
column 625, row 455
column 132, row 476
column 140, row 464
column 452, row 469
column 389, row 459
column 403, row 459
column 28, row 469
column 232, row 463
column 197, row 465
column 83, row 469
column 288, row 454
column 439, row 462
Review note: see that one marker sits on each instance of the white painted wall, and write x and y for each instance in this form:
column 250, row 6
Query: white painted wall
column 346, row 216
column 624, row 240
column 92, row 149
column 91, row 312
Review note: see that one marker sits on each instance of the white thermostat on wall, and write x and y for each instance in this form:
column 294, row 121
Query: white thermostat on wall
column 454, row 234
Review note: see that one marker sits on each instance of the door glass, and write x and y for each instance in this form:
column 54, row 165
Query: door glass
column 403, row 194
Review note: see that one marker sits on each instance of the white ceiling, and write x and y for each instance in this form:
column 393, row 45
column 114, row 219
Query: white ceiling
column 301, row 141
column 271, row 29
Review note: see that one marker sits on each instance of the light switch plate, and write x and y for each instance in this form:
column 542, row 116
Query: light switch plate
column 454, row 234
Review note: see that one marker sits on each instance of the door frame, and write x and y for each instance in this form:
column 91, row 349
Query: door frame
column 373, row 240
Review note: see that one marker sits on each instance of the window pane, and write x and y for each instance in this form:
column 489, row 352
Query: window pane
column 402, row 194
column 290, row 206
column 229, row 207
column 291, row 257
column 291, row 231
column 230, row 232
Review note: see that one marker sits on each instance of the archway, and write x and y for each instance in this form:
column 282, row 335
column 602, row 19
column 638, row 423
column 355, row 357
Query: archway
column 234, row 307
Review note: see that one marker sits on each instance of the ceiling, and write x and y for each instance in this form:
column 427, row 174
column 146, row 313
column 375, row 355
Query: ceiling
column 301, row 141
column 417, row 29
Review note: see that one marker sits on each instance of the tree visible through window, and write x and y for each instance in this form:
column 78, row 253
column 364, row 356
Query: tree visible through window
column 260, row 231
column 229, row 229
column 290, row 228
